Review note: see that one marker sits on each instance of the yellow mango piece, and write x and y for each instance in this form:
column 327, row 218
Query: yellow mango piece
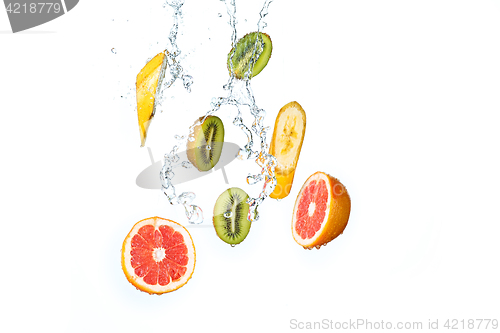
column 148, row 80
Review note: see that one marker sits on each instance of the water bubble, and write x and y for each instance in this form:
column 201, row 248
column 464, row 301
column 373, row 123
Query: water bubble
column 220, row 15
column 169, row 192
column 208, row 147
column 113, row 50
column 228, row 214
column 175, row 3
column 186, row 197
column 194, row 214
column 254, row 179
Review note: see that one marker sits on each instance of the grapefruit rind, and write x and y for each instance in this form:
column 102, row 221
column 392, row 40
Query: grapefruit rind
column 137, row 281
column 336, row 214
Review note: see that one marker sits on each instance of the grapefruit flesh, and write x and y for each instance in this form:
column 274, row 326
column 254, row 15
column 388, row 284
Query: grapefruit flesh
column 312, row 207
column 158, row 256
column 321, row 211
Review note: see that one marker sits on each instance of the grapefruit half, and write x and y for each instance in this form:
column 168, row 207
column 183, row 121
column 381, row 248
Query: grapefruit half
column 321, row 211
column 158, row 255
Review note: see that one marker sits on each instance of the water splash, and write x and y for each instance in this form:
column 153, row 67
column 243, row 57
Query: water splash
column 239, row 95
column 194, row 213
column 173, row 52
column 244, row 96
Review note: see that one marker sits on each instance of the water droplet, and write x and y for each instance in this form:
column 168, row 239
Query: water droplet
column 170, row 174
column 228, row 214
column 220, row 15
column 194, row 214
column 254, row 179
column 233, row 245
column 113, row 50
column 208, row 147
column 186, row 197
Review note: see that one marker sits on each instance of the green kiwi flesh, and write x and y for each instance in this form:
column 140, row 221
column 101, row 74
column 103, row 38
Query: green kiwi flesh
column 230, row 216
column 205, row 150
column 253, row 49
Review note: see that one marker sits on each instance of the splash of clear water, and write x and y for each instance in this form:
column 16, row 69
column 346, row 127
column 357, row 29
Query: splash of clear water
column 171, row 159
column 239, row 95
column 244, row 96
column 172, row 51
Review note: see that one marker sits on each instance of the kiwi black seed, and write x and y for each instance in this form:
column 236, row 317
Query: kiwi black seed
column 206, row 142
column 252, row 52
column 231, row 216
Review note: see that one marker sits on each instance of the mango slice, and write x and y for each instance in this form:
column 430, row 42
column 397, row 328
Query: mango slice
column 147, row 83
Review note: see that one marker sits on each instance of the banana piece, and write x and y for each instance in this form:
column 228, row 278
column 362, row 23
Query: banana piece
column 288, row 135
column 147, row 83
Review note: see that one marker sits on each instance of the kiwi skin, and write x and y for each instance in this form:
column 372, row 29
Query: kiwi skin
column 193, row 146
column 247, row 43
column 232, row 200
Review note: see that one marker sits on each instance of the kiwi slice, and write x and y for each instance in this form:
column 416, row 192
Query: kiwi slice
column 205, row 144
column 252, row 50
column 230, row 216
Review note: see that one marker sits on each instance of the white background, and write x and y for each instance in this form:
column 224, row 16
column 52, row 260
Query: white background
column 402, row 102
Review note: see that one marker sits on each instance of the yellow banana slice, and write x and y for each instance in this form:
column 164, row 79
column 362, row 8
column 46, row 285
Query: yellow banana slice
column 147, row 83
column 288, row 135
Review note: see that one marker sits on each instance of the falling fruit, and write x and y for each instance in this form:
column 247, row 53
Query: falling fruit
column 205, row 148
column 252, row 50
column 321, row 211
column 288, row 135
column 158, row 255
column 148, row 81
column 230, row 216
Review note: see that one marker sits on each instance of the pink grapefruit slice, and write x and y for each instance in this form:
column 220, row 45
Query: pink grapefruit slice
column 321, row 211
column 158, row 255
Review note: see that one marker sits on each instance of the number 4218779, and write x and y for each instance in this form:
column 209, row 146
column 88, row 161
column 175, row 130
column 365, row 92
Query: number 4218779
column 455, row 324
column 34, row 8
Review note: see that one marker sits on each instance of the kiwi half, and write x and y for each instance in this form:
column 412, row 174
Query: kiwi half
column 253, row 49
column 206, row 142
column 230, row 216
